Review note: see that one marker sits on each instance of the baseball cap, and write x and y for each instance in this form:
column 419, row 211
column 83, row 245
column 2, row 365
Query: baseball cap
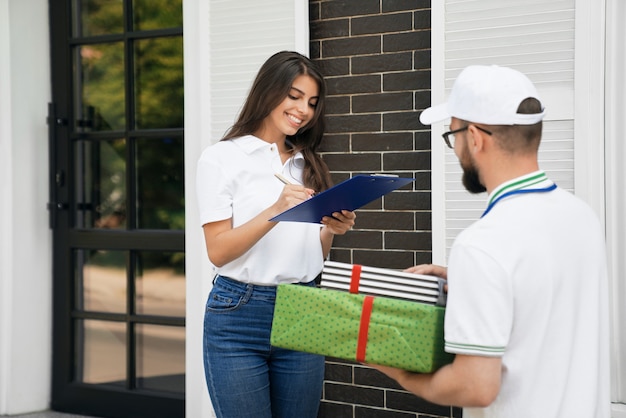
column 489, row 95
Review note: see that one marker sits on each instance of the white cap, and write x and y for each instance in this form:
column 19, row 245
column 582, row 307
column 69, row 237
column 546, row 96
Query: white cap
column 489, row 95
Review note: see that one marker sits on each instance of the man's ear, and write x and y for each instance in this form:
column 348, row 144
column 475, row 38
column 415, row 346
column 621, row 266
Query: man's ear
column 475, row 140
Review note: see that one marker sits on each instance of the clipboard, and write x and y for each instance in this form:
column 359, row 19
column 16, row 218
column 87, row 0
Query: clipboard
column 350, row 194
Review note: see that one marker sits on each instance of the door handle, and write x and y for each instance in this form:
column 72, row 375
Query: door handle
column 57, row 176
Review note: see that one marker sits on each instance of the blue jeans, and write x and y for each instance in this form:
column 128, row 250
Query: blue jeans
column 245, row 375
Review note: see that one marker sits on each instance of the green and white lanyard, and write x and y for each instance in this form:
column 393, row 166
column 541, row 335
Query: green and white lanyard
column 520, row 186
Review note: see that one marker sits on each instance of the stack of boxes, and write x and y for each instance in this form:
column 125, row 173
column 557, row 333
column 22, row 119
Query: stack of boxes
column 365, row 314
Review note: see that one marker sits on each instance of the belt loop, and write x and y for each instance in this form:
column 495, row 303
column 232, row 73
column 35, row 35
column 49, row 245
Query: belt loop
column 248, row 294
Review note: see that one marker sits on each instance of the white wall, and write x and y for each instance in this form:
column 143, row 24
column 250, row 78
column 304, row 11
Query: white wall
column 615, row 105
column 25, row 239
column 197, row 136
column 221, row 58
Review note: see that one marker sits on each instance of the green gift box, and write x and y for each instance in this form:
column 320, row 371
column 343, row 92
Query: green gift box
column 368, row 329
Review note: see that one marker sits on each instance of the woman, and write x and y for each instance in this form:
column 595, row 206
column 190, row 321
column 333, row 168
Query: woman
column 277, row 132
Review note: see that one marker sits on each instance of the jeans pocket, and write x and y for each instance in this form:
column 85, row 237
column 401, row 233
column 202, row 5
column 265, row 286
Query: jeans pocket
column 222, row 300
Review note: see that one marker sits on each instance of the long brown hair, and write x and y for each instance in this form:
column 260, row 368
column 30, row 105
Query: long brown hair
column 270, row 87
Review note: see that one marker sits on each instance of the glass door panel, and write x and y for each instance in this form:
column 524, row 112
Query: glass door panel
column 99, row 84
column 157, row 14
column 101, row 281
column 160, row 283
column 160, row 358
column 100, row 184
column 159, row 83
column 102, row 350
column 160, row 181
column 118, row 164
column 97, row 17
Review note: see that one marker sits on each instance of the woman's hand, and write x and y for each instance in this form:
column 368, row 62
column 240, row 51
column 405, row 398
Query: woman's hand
column 292, row 195
column 340, row 222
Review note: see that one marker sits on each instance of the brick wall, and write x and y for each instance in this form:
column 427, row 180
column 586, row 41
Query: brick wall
column 376, row 58
column 375, row 55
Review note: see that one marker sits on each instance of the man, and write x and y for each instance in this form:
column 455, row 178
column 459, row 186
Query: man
column 527, row 313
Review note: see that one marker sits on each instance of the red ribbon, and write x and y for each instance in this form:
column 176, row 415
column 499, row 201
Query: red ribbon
column 366, row 313
column 355, row 278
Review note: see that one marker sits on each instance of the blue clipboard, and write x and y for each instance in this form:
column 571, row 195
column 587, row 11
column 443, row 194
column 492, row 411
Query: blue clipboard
column 350, row 194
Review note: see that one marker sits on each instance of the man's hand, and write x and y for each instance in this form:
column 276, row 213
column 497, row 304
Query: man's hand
column 429, row 269
column 470, row 381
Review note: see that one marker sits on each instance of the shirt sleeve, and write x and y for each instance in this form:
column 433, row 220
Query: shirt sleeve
column 215, row 198
column 479, row 311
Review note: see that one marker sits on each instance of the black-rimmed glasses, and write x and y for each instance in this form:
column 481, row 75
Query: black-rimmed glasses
column 449, row 136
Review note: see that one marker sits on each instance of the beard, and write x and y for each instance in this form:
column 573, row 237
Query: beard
column 471, row 177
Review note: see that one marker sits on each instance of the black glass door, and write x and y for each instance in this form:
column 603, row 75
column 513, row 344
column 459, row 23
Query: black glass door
column 117, row 207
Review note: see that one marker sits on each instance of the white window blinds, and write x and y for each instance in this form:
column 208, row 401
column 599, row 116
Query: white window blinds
column 243, row 34
column 535, row 37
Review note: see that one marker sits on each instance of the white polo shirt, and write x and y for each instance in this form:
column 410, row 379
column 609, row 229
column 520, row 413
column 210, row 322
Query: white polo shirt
column 528, row 283
column 235, row 179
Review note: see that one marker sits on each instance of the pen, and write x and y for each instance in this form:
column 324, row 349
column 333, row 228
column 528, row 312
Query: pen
column 282, row 178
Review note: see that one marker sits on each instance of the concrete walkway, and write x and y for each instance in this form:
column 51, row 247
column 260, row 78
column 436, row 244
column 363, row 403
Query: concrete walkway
column 46, row 414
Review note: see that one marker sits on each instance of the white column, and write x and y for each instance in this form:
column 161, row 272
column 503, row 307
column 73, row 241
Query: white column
column 615, row 91
column 589, row 103
column 221, row 57
column 197, row 136
column 25, row 239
